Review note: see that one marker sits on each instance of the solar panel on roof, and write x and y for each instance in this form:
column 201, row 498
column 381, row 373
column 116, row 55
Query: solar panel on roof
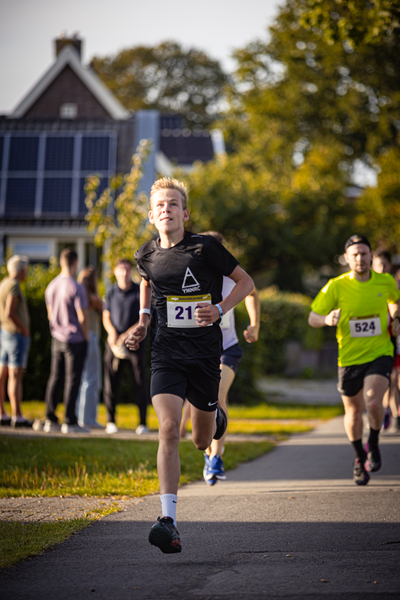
column 95, row 153
column 59, row 162
column 23, row 153
column 20, row 196
column 59, row 153
column 57, row 195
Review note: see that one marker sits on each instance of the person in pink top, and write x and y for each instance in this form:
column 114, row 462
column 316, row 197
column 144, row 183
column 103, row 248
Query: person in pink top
column 66, row 304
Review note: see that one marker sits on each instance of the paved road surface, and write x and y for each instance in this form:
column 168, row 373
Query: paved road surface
column 289, row 525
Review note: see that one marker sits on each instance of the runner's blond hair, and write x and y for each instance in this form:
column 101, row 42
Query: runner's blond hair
column 168, row 183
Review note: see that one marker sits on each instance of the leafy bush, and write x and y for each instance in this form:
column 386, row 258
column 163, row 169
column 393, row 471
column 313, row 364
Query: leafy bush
column 283, row 318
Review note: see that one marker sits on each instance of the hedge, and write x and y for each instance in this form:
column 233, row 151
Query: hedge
column 283, row 317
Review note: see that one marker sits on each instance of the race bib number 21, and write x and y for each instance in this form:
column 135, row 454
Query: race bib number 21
column 180, row 310
column 365, row 327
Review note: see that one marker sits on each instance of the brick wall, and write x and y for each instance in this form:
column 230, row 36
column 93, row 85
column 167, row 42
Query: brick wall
column 67, row 87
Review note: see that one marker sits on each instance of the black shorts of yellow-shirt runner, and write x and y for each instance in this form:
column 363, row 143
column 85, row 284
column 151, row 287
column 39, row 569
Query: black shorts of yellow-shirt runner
column 194, row 379
column 351, row 379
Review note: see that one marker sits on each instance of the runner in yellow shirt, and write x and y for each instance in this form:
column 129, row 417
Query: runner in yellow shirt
column 357, row 303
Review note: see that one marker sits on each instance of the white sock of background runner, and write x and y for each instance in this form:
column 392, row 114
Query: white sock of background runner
column 168, row 506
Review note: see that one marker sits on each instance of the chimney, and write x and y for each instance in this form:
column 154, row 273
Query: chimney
column 62, row 40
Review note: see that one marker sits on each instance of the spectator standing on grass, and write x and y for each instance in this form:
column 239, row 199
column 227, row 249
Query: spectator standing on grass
column 120, row 317
column 89, row 391
column 67, row 312
column 15, row 339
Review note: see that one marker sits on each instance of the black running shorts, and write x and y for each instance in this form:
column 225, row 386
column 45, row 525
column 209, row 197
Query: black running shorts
column 351, row 379
column 196, row 380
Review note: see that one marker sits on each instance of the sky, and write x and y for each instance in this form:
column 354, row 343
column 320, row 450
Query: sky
column 28, row 28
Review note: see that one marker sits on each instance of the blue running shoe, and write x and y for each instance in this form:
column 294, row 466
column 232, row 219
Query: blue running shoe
column 217, row 467
column 209, row 477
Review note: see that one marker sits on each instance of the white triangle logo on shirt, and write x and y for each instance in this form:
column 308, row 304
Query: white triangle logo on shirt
column 189, row 281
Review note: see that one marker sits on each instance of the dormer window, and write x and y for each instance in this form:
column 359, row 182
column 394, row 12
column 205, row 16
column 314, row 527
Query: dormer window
column 68, row 110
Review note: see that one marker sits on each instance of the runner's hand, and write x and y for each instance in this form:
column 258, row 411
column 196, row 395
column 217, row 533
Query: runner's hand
column 206, row 314
column 333, row 318
column 135, row 337
column 251, row 334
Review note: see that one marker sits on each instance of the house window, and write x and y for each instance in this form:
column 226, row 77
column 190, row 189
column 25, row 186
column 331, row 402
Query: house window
column 68, row 110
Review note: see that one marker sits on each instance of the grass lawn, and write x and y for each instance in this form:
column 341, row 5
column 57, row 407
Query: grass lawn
column 44, row 466
column 98, row 467
column 260, row 419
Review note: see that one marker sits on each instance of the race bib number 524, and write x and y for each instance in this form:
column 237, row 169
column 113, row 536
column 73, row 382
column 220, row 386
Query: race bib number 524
column 365, row 327
column 180, row 309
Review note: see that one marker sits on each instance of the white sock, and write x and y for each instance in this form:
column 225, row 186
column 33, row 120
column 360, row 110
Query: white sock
column 168, row 506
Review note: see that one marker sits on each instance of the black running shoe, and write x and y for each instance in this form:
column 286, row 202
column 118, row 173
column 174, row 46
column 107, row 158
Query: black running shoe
column 374, row 462
column 165, row 536
column 360, row 475
column 222, row 423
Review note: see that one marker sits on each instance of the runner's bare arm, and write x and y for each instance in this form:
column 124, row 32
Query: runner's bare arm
column 252, row 302
column 209, row 313
column 139, row 333
column 394, row 310
column 317, row 320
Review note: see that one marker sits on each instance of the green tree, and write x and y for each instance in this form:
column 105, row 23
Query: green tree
column 304, row 106
column 320, row 87
column 379, row 208
column 167, row 78
column 277, row 219
column 118, row 217
column 354, row 22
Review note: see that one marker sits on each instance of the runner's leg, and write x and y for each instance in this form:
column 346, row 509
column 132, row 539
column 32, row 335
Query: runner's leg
column 375, row 387
column 353, row 424
column 185, row 417
column 164, row 534
column 227, row 378
column 203, row 427
column 168, row 409
column 353, row 413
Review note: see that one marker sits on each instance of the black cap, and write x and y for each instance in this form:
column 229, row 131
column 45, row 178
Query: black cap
column 356, row 239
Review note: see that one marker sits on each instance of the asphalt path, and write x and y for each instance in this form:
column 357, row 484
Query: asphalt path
column 289, row 525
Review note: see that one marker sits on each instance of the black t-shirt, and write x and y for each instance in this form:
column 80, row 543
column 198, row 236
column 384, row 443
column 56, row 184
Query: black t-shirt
column 181, row 276
column 123, row 306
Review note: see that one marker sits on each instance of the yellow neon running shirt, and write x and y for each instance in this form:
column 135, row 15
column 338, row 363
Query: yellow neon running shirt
column 362, row 332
